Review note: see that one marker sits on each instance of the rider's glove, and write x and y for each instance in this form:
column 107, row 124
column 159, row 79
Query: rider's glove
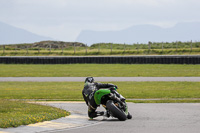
column 116, row 87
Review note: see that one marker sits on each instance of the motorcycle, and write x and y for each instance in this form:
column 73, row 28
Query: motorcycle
column 113, row 102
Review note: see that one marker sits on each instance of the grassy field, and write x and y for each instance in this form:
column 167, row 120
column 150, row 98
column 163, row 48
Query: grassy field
column 152, row 48
column 72, row 90
column 16, row 113
column 99, row 70
column 82, row 52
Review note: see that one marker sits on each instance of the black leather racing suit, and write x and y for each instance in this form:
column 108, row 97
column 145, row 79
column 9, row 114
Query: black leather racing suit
column 88, row 95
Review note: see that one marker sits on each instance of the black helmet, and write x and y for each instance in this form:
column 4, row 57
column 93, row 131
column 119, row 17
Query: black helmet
column 89, row 79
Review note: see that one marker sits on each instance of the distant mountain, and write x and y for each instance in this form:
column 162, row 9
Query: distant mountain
column 12, row 35
column 143, row 34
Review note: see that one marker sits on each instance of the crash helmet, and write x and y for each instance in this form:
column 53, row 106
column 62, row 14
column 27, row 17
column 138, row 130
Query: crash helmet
column 89, row 79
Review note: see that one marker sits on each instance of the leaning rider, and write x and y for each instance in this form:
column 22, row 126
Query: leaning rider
column 89, row 89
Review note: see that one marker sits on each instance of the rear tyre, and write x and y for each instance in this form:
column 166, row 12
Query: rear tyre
column 115, row 110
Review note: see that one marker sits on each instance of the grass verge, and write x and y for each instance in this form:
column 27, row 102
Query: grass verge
column 96, row 51
column 72, row 90
column 16, row 113
column 99, row 70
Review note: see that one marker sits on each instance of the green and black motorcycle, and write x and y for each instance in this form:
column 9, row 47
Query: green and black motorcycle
column 113, row 102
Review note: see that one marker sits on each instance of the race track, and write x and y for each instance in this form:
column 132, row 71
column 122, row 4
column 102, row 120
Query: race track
column 147, row 118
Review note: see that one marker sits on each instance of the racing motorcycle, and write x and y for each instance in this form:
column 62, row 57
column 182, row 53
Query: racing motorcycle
column 113, row 102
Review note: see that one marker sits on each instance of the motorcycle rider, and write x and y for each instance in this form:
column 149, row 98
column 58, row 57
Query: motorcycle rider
column 89, row 89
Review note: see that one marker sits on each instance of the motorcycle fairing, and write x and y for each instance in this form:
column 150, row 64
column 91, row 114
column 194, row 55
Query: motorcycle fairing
column 99, row 94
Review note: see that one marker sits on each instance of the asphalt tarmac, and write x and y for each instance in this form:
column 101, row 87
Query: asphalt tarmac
column 147, row 118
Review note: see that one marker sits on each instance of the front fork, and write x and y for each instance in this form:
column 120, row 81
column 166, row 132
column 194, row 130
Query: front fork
column 121, row 103
column 118, row 95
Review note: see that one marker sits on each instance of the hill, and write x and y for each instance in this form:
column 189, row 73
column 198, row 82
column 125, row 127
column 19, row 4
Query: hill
column 46, row 44
column 143, row 34
column 12, row 35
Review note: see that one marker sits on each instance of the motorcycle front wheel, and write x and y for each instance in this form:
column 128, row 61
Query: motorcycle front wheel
column 116, row 111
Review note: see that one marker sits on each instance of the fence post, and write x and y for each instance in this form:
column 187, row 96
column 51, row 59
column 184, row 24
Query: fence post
column 191, row 45
column 86, row 48
column 137, row 46
column 50, row 48
column 99, row 48
column 27, row 49
column 74, row 48
column 149, row 45
column 4, row 49
column 15, row 48
column 62, row 48
column 111, row 47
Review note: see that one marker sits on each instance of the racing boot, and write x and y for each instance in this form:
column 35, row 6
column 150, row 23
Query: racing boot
column 129, row 116
column 103, row 113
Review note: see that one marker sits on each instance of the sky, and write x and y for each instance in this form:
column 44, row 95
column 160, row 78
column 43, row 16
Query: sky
column 64, row 19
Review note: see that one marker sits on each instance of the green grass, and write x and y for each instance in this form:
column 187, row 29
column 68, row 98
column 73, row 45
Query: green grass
column 157, row 48
column 16, row 113
column 149, row 90
column 99, row 70
column 72, row 90
column 41, row 90
column 154, row 45
column 92, row 51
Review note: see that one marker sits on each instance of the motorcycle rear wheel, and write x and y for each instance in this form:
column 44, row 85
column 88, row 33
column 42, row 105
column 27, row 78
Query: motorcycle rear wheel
column 116, row 111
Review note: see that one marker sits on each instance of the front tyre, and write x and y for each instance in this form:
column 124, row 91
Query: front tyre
column 116, row 111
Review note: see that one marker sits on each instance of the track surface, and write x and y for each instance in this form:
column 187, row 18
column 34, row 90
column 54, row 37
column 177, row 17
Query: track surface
column 147, row 118
column 102, row 79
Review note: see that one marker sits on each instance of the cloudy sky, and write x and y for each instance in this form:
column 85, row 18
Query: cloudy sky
column 65, row 19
